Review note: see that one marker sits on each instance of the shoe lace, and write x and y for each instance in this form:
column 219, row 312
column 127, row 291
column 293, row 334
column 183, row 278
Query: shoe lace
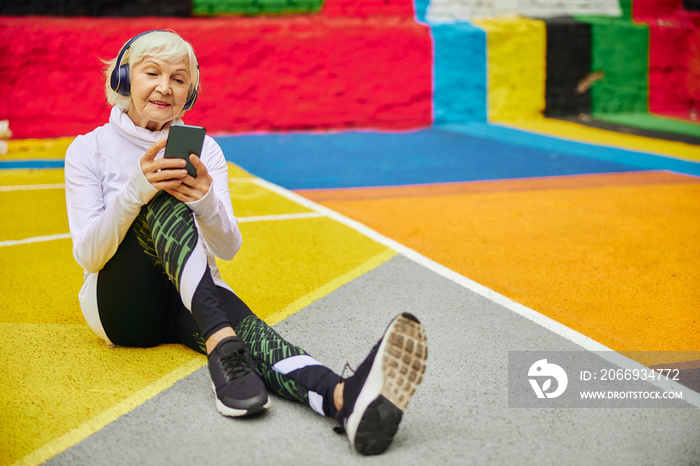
column 341, row 429
column 347, row 367
column 237, row 364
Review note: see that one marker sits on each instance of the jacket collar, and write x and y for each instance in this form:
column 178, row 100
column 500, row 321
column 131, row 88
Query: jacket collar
column 143, row 137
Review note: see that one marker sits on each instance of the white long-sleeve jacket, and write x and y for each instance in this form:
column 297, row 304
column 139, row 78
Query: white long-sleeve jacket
column 105, row 189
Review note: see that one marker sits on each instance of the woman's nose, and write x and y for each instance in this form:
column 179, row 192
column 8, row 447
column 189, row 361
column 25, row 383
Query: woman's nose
column 163, row 86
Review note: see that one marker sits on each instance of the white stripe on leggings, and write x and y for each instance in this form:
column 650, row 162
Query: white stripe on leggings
column 293, row 363
column 192, row 274
column 316, row 402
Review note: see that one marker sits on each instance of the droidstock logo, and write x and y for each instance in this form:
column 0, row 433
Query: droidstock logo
column 545, row 372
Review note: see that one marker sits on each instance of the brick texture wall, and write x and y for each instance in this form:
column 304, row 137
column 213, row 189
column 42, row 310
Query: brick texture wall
column 619, row 54
column 446, row 11
column 568, row 76
column 516, row 63
column 272, row 73
column 375, row 9
column 130, row 8
column 365, row 63
column 674, row 57
column 254, row 7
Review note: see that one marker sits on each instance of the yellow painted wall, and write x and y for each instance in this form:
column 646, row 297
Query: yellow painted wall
column 516, row 63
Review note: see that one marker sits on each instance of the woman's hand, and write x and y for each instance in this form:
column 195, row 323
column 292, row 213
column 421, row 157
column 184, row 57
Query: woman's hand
column 162, row 173
column 192, row 189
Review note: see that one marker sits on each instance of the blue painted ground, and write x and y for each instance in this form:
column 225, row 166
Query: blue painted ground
column 435, row 155
column 640, row 160
column 10, row 164
column 370, row 158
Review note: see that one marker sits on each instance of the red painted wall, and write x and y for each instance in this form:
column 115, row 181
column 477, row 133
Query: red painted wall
column 694, row 66
column 257, row 73
column 646, row 9
column 670, row 77
column 367, row 8
column 674, row 57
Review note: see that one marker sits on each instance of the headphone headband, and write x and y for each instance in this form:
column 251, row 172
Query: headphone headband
column 119, row 79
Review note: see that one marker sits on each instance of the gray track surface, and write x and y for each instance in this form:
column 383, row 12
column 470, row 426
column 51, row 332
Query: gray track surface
column 459, row 414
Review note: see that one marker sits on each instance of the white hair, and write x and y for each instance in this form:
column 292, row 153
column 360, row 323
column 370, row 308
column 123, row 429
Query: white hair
column 163, row 45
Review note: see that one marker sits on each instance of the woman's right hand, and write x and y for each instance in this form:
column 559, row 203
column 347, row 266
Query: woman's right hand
column 162, row 173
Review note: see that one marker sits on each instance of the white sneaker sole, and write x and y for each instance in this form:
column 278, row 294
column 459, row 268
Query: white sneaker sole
column 233, row 412
column 397, row 370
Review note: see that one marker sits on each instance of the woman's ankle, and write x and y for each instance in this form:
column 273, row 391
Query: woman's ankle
column 338, row 396
column 217, row 336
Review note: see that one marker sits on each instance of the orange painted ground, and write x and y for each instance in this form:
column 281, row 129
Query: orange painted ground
column 615, row 257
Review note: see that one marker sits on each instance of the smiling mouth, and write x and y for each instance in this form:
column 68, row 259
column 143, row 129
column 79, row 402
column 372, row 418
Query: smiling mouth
column 160, row 103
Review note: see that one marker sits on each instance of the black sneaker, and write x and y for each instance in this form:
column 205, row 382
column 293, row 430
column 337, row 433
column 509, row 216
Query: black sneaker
column 238, row 388
column 375, row 397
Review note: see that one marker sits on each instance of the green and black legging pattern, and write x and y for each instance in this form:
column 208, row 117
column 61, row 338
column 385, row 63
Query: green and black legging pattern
column 140, row 303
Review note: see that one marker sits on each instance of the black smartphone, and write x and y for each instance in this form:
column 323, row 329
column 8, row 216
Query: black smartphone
column 184, row 140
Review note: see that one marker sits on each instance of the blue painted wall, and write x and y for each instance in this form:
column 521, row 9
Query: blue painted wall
column 459, row 70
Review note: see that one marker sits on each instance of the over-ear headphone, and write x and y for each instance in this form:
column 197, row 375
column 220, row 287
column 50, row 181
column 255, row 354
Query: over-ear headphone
column 119, row 80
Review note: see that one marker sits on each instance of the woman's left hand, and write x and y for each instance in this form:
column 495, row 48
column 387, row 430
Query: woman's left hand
column 193, row 189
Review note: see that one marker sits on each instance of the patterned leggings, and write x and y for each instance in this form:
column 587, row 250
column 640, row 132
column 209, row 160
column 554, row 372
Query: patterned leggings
column 142, row 291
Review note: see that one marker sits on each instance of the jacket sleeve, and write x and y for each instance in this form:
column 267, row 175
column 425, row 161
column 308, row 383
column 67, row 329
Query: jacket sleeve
column 214, row 212
column 97, row 231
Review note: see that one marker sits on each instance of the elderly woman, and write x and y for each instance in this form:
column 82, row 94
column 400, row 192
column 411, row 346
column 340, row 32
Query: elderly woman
column 147, row 234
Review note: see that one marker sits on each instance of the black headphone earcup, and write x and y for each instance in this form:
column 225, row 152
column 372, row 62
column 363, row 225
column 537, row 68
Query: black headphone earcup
column 190, row 101
column 122, row 85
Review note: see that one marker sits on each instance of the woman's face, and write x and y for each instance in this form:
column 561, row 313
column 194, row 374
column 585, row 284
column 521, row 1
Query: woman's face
column 158, row 92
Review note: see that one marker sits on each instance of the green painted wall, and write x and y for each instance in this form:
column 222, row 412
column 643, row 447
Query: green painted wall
column 620, row 50
column 254, row 7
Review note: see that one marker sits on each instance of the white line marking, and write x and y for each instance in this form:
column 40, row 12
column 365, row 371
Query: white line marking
column 241, row 180
column 36, row 239
column 689, row 396
column 251, row 219
column 29, row 187
column 269, row 218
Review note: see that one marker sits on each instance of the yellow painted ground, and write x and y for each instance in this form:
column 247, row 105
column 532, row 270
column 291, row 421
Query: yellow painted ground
column 40, row 283
column 24, row 177
column 250, row 200
column 57, row 377
column 18, row 149
column 60, row 382
column 617, row 263
column 47, row 215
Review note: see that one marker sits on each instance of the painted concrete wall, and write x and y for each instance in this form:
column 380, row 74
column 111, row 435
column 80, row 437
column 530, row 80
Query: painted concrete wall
column 644, row 57
column 254, row 7
column 674, row 56
column 383, row 64
column 259, row 74
column 513, row 60
column 447, row 11
column 516, row 55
